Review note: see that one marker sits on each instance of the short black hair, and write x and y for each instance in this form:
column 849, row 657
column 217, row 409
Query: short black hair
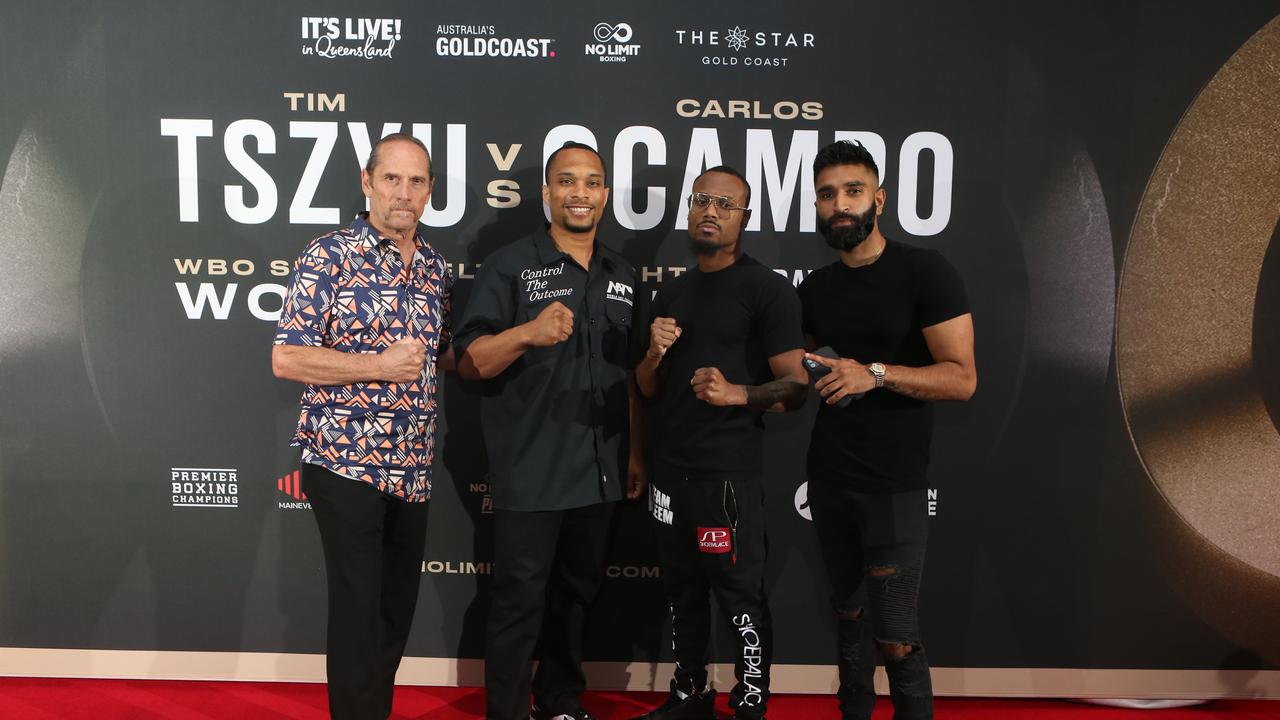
column 843, row 152
column 394, row 137
column 726, row 170
column 574, row 145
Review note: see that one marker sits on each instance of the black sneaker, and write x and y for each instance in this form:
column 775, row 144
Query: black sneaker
column 681, row 706
column 537, row 713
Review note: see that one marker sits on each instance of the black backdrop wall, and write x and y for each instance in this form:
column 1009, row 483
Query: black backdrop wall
column 166, row 162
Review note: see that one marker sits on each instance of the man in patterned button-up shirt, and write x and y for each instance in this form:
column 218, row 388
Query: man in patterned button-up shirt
column 363, row 325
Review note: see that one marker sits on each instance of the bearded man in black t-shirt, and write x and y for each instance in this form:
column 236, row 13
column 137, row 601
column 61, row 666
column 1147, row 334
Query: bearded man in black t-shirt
column 898, row 318
column 724, row 346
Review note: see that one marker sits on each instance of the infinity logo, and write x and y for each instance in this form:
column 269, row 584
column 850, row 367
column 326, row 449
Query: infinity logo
column 606, row 32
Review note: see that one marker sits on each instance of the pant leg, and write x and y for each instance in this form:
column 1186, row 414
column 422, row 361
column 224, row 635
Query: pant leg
column 894, row 599
column 684, row 584
column 349, row 515
column 576, row 574
column 840, row 526
column 732, row 548
column 524, row 546
column 404, row 537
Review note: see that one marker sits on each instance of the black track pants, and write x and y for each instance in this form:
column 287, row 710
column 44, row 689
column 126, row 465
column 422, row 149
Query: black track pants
column 711, row 539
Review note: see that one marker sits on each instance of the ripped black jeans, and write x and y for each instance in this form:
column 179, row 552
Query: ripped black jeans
column 879, row 540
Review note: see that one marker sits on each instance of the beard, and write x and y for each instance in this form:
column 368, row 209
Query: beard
column 576, row 225
column 709, row 246
column 849, row 236
column 704, row 247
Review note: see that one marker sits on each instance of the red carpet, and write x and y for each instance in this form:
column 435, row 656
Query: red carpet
column 56, row 699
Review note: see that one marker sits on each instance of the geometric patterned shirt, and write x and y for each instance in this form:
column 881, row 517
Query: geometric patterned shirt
column 348, row 293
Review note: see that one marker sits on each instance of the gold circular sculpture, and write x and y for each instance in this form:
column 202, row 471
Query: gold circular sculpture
column 1185, row 355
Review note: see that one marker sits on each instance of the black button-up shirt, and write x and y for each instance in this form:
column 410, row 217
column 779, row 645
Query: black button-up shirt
column 555, row 421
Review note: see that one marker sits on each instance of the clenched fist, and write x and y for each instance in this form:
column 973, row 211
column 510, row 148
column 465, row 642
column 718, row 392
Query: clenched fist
column 710, row 387
column 662, row 335
column 402, row 362
column 553, row 325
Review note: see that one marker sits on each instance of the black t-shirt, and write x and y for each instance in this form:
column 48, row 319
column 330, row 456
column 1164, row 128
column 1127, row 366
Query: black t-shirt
column 875, row 313
column 555, row 421
column 733, row 319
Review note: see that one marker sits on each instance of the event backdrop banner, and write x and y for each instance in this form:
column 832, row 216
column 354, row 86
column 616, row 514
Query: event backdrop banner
column 1105, row 177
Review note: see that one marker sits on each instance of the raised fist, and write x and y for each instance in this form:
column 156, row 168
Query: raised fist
column 710, row 387
column 552, row 326
column 662, row 334
column 402, row 362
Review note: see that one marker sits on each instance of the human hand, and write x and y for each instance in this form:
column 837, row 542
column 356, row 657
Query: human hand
column 710, row 386
column 662, row 334
column 552, row 326
column 637, row 483
column 847, row 377
column 402, row 361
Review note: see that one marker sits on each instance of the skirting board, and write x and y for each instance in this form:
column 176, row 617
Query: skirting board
column 820, row 679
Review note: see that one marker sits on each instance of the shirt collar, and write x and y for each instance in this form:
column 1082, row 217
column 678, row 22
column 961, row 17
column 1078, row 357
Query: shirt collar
column 548, row 253
column 370, row 235
column 371, row 239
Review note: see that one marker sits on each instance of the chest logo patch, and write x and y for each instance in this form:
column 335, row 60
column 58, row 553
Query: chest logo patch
column 619, row 291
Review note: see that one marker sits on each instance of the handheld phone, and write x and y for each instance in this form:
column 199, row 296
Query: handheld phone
column 817, row 370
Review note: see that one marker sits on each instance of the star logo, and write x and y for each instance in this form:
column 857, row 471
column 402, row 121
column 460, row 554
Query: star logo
column 737, row 38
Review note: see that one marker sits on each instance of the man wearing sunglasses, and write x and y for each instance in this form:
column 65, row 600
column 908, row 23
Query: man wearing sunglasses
column 897, row 316
column 725, row 345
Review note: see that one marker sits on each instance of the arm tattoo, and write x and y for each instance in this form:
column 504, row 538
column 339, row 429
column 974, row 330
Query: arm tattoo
column 787, row 393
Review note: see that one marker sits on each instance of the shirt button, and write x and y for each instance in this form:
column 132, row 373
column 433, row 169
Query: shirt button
column 593, row 355
column 593, row 321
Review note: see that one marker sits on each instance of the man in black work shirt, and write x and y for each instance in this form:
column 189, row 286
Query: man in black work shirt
column 725, row 345
column 554, row 324
column 898, row 318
